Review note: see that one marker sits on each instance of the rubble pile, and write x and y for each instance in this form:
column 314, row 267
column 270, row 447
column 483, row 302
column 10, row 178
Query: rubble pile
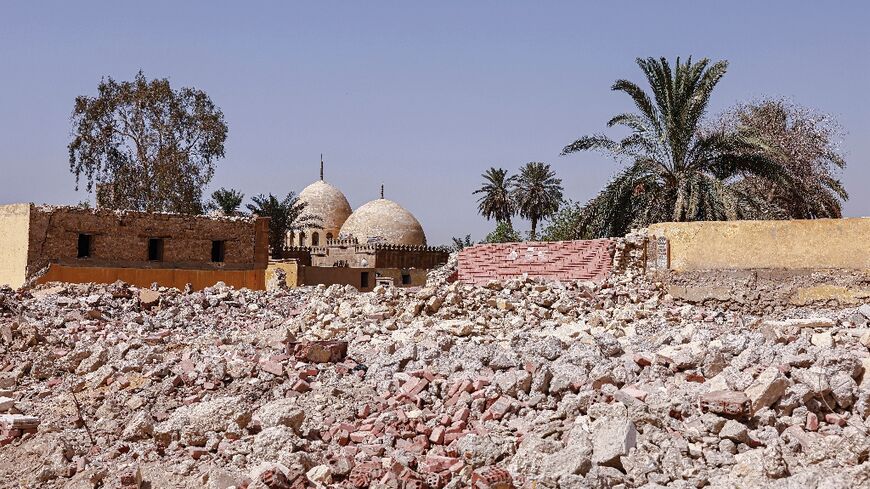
column 514, row 384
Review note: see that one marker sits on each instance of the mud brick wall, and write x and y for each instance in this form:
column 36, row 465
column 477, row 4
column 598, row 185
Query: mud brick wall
column 558, row 260
column 120, row 239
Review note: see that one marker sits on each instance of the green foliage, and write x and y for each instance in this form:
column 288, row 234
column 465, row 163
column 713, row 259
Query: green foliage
column 536, row 193
column 676, row 171
column 496, row 201
column 460, row 243
column 284, row 215
column 226, row 200
column 148, row 146
column 503, row 233
column 564, row 225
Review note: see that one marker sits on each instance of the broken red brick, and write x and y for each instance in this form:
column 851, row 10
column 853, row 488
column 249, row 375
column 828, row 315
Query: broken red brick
column 437, row 436
column 273, row 368
column 197, row 452
column 320, row 351
column 301, row 386
column 437, row 463
column 812, row 422
column 491, row 477
column 462, row 414
column 363, row 411
column 643, row 359
column 836, row 419
column 499, row 408
column 729, row 403
column 359, row 436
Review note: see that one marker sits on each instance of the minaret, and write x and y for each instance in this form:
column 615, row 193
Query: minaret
column 321, row 167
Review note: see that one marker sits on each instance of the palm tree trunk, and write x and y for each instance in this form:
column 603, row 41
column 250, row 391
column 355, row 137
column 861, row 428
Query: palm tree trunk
column 533, row 236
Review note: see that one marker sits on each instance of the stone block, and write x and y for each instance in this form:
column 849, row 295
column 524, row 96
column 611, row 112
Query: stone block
column 612, row 437
column 766, row 389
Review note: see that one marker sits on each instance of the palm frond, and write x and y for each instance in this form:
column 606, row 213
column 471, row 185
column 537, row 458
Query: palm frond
column 591, row 142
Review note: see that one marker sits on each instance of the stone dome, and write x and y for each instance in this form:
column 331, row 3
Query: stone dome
column 386, row 221
column 330, row 205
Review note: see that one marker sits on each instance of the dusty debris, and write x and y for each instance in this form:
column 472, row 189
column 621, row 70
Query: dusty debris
column 511, row 384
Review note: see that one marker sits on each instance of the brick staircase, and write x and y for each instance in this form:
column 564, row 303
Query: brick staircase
column 557, row 260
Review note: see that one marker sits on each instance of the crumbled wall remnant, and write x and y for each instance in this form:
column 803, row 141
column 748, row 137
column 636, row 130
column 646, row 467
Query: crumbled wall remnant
column 763, row 290
column 630, row 252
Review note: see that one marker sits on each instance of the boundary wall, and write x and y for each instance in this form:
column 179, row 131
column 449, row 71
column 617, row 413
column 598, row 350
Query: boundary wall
column 742, row 245
column 552, row 260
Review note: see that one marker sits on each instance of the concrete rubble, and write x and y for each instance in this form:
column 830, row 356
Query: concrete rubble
column 513, row 384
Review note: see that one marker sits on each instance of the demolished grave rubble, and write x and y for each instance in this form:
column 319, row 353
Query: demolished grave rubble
column 510, row 384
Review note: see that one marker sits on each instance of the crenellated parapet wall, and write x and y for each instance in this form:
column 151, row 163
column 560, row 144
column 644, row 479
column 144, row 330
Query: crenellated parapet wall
column 350, row 252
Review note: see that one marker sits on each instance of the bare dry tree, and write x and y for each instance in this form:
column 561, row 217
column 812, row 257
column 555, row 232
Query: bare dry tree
column 806, row 144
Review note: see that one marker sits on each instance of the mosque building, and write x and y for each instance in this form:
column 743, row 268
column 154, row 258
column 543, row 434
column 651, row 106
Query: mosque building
column 381, row 239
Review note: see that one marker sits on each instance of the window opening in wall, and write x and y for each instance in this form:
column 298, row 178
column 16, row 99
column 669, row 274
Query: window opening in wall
column 406, row 278
column 301, row 238
column 155, row 249
column 328, row 237
column 218, row 249
column 315, row 239
column 85, row 245
column 364, row 280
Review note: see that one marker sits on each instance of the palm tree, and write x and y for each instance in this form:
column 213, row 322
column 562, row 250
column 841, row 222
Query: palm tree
column 537, row 193
column 496, row 201
column 284, row 215
column 676, row 171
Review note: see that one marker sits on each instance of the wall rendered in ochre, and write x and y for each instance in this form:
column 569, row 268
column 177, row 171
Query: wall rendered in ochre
column 14, row 232
column 788, row 245
column 291, row 269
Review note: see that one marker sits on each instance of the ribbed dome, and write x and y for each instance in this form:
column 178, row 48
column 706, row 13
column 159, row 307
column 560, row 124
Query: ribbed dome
column 384, row 220
column 327, row 203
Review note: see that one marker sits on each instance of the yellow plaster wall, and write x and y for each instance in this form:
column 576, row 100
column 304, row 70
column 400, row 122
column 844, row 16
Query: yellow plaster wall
column 290, row 267
column 14, row 239
column 795, row 244
column 418, row 276
column 337, row 275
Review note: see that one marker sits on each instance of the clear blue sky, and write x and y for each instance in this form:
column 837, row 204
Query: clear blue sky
column 422, row 97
